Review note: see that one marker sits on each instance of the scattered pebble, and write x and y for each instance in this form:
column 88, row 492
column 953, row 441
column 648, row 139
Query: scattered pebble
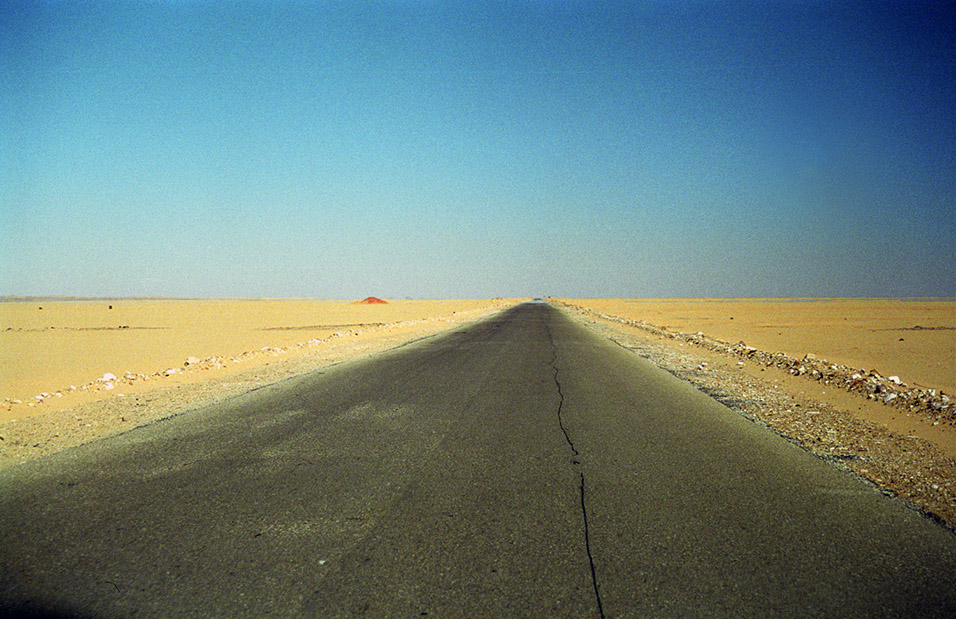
column 870, row 384
column 905, row 466
column 62, row 428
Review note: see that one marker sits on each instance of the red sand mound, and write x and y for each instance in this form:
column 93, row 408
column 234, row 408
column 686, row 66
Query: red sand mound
column 370, row 301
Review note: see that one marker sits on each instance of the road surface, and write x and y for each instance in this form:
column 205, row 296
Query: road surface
column 522, row 466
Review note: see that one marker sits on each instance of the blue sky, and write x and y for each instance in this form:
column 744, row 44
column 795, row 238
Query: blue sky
column 477, row 149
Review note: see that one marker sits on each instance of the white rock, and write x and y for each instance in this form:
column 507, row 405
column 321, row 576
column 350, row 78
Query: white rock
column 192, row 361
column 107, row 377
column 107, row 385
column 894, row 379
column 890, row 397
column 171, row 371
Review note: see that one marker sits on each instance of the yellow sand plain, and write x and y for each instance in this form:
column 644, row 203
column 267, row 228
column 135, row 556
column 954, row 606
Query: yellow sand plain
column 912, row 339
column 73, row 343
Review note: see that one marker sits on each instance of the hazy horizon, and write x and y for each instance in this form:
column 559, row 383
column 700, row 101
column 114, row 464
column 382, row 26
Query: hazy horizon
column 83, row 299
column 476, row 150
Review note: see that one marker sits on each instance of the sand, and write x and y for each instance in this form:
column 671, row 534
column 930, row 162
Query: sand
column 912, row 339
column 906, row 453
column 246, row 344
column 72, row 344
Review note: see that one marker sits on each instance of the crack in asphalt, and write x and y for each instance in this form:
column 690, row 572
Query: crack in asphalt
column 577, row 463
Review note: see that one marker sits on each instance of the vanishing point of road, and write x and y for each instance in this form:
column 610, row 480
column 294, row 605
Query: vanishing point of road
column 522, row 466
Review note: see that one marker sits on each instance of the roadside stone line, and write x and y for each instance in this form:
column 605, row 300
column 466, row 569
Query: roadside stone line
column 891, row 391
column 109, row 381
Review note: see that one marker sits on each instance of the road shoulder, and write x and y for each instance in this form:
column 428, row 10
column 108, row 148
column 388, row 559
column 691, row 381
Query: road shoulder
column 898, row 454
column 40, row 435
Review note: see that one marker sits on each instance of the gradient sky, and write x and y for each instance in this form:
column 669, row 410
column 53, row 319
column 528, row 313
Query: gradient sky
column 477, row 149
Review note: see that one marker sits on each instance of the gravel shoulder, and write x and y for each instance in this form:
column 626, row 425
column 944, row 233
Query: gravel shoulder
column 907, row 454
column 45, row 433
column 904, row 454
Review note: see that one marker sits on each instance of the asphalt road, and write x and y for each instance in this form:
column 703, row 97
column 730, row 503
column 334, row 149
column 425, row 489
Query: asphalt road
column 520, row 467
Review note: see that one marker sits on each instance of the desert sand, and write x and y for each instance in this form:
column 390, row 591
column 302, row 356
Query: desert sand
column 63, row 348
column 912, row 339
column 906, row 451
column 240, row 345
